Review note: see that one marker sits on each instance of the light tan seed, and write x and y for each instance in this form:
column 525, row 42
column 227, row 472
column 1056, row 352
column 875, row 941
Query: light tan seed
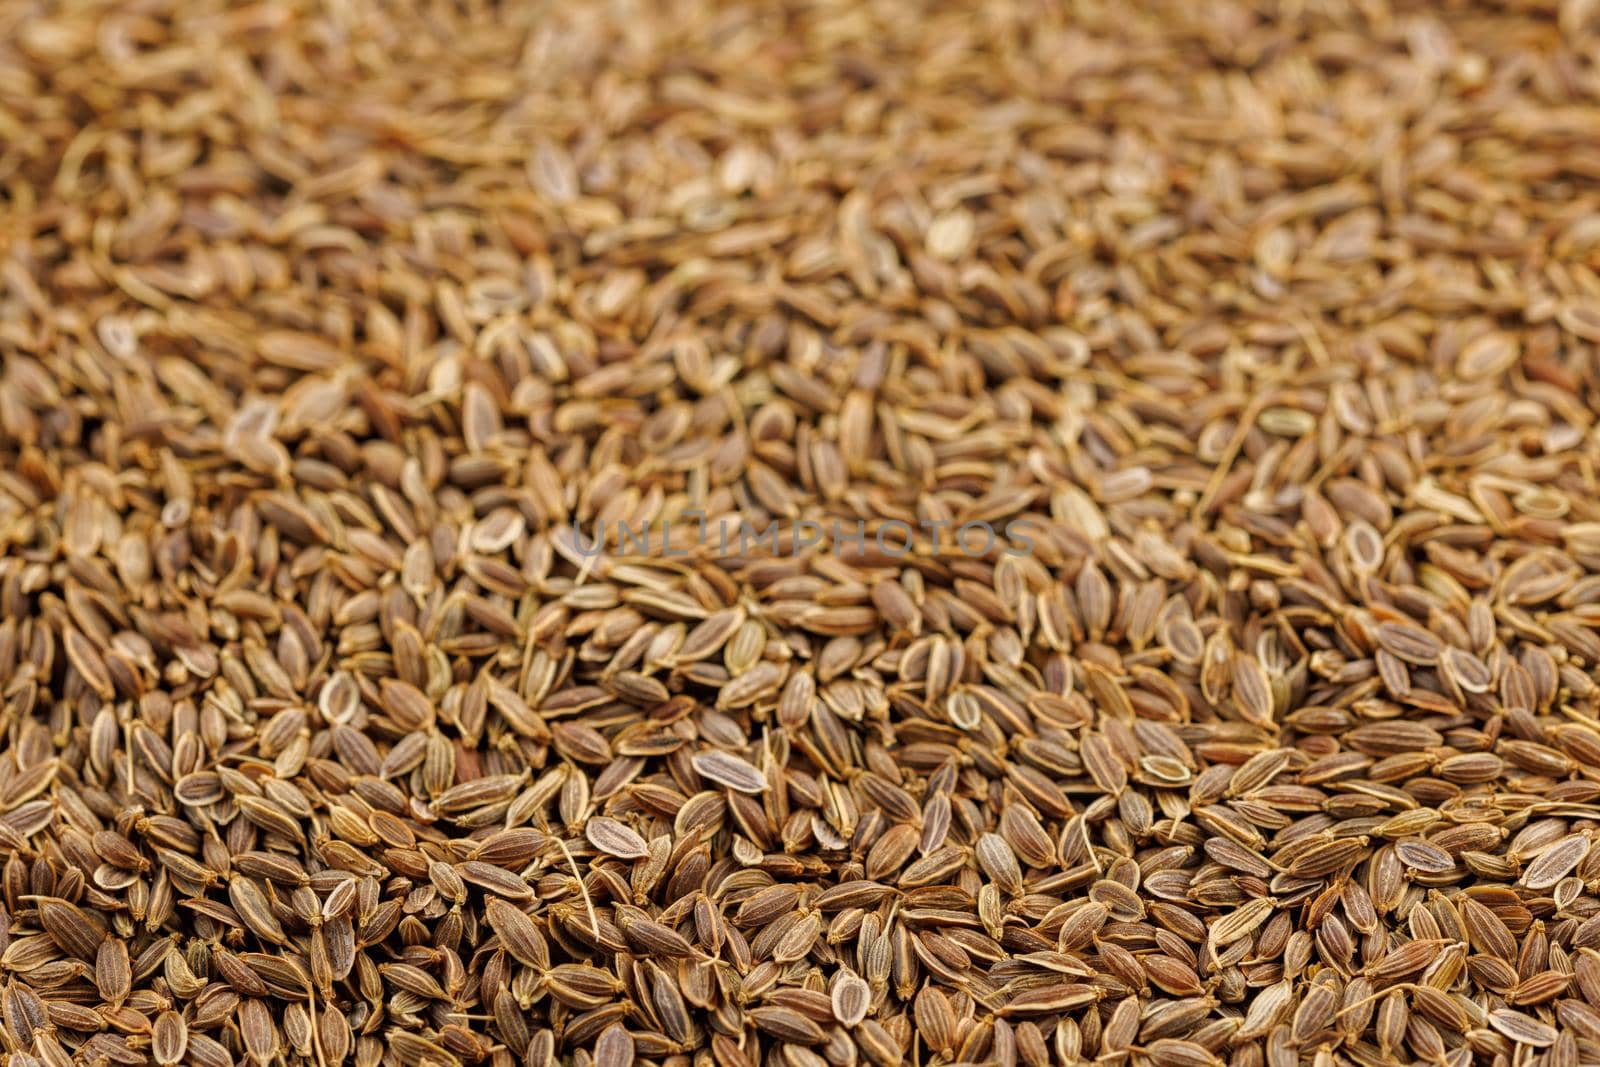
column 1523, row 1029
column 169, row 1038
column 614, row 838
column 851, row 998
column 1240, row 922
column 615, row 1047
column 256, row 1029
column 730, row 771
column 1050, row 1000
column 1556, row 862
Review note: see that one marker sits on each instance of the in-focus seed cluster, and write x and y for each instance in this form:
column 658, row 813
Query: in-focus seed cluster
column 323, row 326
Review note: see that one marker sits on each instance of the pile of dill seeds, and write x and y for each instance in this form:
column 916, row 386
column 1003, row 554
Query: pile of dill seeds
column 376, row 379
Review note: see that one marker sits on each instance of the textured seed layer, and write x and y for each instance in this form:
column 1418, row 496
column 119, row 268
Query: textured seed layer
column 1098, row 514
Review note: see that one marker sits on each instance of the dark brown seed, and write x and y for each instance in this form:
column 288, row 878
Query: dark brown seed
column 113, row 972
column 787, row 1025
column 517, row 932
column 1486, row 930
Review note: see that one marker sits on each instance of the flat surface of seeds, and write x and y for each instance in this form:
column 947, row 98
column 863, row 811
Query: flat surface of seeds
column 324, row 740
